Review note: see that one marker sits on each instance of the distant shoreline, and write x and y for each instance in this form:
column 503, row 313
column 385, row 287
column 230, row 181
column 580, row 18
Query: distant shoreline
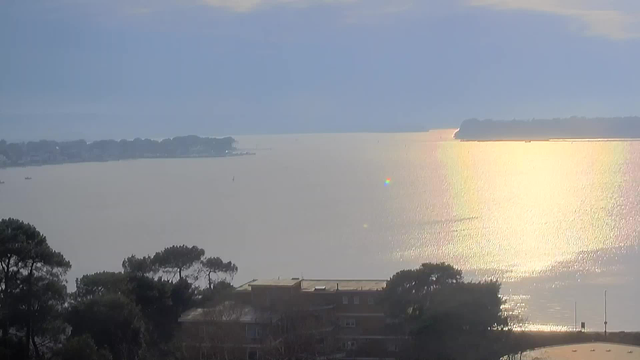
column 238, row 154
column 556, row 140
column 44, row 152
column 567, row 129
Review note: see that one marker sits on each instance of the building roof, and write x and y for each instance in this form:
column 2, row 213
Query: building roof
column 275, row 282
column 343, row 285
column 268, row 282
column 228, row 311
column 312, row 285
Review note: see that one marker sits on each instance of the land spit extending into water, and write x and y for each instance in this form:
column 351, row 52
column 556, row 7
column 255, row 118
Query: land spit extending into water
column 567, row 128
column 46, row 152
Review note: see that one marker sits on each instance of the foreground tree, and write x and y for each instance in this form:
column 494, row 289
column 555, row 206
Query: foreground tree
column 111, row 316
column 46, row 305
column 409, row 292
column 83, row 348
column 213, row 267
column 445, row 317
column 464, row 321
column 32, row 285
column 113, row 322
column 139, row 266
column 100, row 283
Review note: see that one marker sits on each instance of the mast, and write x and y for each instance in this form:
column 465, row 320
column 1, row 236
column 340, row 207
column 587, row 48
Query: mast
column 575, row 316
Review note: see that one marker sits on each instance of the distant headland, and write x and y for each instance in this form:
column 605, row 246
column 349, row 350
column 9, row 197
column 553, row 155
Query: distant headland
column 567, row 128
column 46, row 152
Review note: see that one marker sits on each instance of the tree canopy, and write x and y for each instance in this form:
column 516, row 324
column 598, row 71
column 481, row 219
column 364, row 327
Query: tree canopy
column 177, row 259
column 113, row 322
column 53, row 152
column 445, row 316
column 140, row 266
column 81, row 347
column 214, row 267
column 32, row 286
column 408, row 292
column 111, row 315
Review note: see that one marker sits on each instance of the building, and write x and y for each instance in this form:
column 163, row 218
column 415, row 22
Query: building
column 294, row 318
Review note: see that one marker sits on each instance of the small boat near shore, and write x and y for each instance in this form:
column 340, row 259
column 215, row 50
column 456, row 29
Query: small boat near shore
column 27, row 178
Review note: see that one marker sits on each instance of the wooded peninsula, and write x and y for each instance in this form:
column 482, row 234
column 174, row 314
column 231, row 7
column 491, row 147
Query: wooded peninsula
column 566, row 128
column 45, row 152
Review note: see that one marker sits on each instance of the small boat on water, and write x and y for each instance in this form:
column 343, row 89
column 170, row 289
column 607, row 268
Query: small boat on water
column 1, row 182
column 27, row 178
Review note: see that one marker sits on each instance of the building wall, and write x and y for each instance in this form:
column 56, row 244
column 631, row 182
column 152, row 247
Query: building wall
column 208, row 340
column 323, row 319
column 363, row 305
column 268, row 296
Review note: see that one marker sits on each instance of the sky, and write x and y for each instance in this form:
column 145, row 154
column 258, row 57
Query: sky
column 98, row 69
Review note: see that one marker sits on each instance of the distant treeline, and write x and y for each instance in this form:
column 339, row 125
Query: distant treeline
column 567, row 128
column 52, row 152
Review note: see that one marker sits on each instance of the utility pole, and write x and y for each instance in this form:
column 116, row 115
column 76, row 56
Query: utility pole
column 605, row 313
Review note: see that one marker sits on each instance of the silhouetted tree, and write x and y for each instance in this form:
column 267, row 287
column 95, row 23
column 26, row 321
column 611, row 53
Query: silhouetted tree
column 111, row 315
column 45, row 303
column 32, row 286
column 113, row 321
column 141, row 266
column 214, row 266
column 446, row 317
column 408, row 292
column 177, row 259
column 81, row 348
column 208, row 295
column 105, row 282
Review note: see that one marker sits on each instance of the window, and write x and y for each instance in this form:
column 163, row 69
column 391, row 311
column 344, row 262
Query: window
column 370, row 300
column 252, row 355
column 345, row 300
column 320, row 341
column 203, row 353
column 349, row 345
column 356, row 300
column 203, row 331
column 394, row 348
column 349, row 322
column 253, row 332
column 318, row 318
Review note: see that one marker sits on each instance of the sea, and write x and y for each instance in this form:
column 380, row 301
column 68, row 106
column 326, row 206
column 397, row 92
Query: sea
column 557, row 222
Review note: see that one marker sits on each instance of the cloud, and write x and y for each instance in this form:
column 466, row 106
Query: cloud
column 377, row 10
column 611, row 19
column 352, row 10
column 248, row 5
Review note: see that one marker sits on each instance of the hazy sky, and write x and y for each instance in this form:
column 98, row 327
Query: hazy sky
column 155, row 68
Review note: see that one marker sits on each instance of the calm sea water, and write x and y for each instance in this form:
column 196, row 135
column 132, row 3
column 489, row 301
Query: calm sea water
column 556, row 222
